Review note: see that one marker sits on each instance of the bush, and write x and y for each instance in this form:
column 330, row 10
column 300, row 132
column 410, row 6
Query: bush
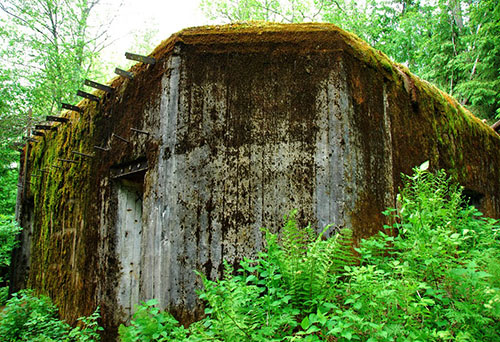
column 8, row 239
column 8, row 234
column 436, row 280
column 30, row 318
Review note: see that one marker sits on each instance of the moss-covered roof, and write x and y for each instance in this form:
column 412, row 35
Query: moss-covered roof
column 309, row 37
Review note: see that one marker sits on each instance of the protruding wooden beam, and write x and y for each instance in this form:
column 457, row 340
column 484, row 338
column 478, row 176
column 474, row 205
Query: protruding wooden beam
column 139, row 58
column 56, row 118
column 99, row 86
column 91, row 97
column 56, row 167
column 71, row 107
column 82, row 154
column 124, row 73
column 38, row 133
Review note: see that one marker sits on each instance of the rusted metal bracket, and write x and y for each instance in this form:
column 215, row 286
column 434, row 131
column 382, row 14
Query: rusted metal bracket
column 71, row 107
column 99, row 86
column 56, row 118
column 105, row 149
column 82, row 154
column 124, row 73
column 139, row 58
column 130, row 169
column 496, row 126
column 67, row 161
column 119, row 138
column 139, row 131
column 45, row 127
column 91, row 97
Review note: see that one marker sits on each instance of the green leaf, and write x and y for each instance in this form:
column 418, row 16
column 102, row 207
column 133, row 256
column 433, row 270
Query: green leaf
column 305, row 323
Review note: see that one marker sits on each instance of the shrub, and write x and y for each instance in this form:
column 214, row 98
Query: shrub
column 30, row 318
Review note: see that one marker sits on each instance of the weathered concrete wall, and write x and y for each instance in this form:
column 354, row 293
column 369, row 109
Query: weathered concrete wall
column 246, row 123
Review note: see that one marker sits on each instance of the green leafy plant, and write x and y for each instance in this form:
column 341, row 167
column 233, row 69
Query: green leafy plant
column 151, row 324
column 308, row 262
column 88, row 329
column 8, row 233
column 30, row 318
column 8, row 240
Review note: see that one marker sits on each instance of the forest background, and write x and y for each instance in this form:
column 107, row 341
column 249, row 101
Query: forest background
column 49, row 47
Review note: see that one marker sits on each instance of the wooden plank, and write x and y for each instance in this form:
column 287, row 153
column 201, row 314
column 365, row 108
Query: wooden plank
column 38, row 133
column 139, row 58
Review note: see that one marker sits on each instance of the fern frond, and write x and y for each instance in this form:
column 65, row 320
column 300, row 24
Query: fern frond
column 308, row 261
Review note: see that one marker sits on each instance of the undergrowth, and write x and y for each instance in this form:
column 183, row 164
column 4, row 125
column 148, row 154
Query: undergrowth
column 434, row 275
column 27, row 317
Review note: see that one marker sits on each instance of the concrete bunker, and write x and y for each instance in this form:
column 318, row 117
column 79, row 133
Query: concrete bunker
column 243, row 124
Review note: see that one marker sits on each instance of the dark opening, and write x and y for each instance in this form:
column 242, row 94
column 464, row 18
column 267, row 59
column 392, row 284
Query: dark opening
column 473, row 197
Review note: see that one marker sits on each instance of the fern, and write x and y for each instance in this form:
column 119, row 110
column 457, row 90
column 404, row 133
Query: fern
column 308, row 264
